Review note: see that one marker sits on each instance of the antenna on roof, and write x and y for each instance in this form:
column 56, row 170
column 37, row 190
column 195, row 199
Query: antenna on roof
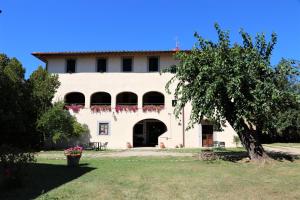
column 177, row 44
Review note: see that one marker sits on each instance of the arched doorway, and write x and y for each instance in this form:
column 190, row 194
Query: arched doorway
column 147, row 131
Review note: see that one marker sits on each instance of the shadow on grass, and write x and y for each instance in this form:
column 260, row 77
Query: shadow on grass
column 43, row 178
column 235, row 156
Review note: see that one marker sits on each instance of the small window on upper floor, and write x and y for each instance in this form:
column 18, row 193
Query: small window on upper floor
column 127, row 65
column 101, row 65
column 71, row 63
column 153, row 64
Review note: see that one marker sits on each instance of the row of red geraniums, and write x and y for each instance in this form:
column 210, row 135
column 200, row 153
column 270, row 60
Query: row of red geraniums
column 73, row 155
column 101, row 108
column 153, row 108
column 126, row 108
column 74, row 107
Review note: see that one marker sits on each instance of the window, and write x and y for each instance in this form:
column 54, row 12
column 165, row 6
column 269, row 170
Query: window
column 127, row 64
column 153, row 63
column 103, row 128
column 71, row 66
column 174, row 103
column 101, row 65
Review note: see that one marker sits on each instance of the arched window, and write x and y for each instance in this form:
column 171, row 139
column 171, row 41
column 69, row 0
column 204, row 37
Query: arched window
column 127, row 98
column 101, row 98
column 74, row 98
column 153, row 98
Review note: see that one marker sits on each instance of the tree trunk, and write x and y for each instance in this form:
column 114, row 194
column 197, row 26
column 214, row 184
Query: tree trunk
column 249, row 139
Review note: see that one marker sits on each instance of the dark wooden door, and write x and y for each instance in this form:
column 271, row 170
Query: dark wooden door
column 207, row 136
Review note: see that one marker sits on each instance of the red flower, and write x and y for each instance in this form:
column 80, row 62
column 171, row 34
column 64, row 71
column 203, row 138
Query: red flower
column 74, row 151
column 101, row 108
column 74, row 107
column 153, row 108
column 130, row 108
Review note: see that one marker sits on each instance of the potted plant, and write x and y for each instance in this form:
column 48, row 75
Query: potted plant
column 128, row 145
column 162, row 145
column 73, row 155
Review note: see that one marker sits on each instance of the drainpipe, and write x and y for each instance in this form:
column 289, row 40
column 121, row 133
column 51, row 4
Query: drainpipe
column 183, row 128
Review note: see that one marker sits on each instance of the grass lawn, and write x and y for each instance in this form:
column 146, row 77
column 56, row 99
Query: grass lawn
column 293, row 145
column 159, row 178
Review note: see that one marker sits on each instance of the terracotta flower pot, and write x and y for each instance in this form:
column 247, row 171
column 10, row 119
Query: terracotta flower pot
column 73, row 160
column 128, row 145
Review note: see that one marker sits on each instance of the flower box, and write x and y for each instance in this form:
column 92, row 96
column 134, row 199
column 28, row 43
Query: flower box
column 153, row 108
column 126, row 108
column 75, row 108
column 101, row 108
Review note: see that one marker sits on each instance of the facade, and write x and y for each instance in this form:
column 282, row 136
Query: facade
column 121, row 97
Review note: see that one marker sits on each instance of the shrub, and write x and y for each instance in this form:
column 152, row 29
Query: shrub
column 13, row 164
column 236, row 140
column 208, row 155
column 58, row 124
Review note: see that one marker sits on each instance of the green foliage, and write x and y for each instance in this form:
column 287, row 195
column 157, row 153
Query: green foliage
column 236, row 140
column 23, row 101
column 58, row 124
column 233, row 82
column 14, row 102
column 43, row 86
column 13, row 163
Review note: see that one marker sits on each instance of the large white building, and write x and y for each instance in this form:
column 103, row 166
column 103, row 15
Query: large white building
column 121, row 96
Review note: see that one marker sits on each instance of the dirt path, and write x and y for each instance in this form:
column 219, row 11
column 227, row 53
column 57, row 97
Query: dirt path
column 120, row 153
column 289, row 150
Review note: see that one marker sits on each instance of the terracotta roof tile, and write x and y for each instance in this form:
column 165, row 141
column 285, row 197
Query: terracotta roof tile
column 44, row 55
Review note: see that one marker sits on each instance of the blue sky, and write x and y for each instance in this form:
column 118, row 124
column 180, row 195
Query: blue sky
column 77, row 25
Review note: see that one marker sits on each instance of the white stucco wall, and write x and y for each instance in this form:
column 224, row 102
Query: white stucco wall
column 114, row 64
column 138, row 82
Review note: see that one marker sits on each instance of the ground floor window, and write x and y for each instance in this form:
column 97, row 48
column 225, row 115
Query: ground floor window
column 103, row 128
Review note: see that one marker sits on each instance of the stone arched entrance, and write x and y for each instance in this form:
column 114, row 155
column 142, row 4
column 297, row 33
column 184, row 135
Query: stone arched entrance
column 147, row 131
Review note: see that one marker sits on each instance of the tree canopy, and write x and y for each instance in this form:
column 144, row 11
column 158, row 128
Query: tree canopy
column 23, row 101
column 234, row 83
column 58, row 124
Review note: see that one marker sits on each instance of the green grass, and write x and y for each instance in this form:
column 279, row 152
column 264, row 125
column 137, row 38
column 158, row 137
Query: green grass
column 159, row 178
column 293, row 145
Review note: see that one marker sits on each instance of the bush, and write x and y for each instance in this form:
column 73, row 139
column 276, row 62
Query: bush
column 57, row 124
column 208, row 155
column 13, row 164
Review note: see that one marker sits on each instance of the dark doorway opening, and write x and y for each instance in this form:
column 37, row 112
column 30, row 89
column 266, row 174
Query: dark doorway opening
column 207, row 135
column 146, row 132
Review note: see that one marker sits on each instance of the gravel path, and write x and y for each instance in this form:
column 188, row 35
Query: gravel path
column 289, row 150
column 120, row 153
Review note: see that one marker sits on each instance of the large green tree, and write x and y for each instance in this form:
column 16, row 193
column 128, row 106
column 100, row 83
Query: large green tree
column 23, row 102
column 43, row 86
column 13, row 104
column 234, row 83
